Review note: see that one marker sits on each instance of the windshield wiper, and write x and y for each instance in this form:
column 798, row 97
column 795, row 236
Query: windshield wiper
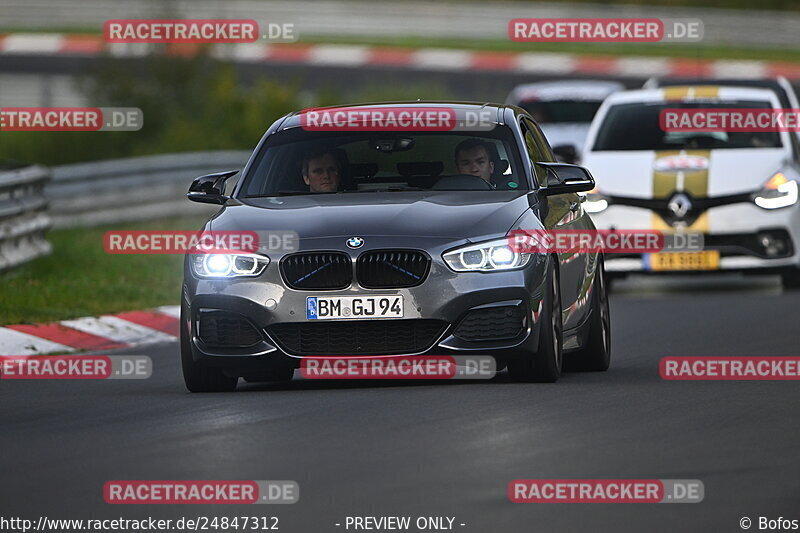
column 303, row 193
column 393, row 189
column 388, row 189
column 280, row 193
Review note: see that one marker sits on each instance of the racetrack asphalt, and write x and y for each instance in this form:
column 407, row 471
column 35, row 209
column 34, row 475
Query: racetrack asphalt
column 443, row 449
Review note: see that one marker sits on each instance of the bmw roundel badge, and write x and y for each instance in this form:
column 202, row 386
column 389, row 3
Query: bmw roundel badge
column 355, row 242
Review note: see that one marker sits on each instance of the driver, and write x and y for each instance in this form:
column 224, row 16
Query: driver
column 321, row 171
column 473, row 159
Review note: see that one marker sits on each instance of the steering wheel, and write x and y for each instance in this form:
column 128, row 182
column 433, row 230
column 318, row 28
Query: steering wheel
column 462, row 182
column 700, row 142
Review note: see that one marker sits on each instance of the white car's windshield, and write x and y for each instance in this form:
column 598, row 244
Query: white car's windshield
column 636, row 127
column 561, row 111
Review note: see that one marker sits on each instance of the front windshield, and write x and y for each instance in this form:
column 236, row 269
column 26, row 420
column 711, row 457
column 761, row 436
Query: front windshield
column 561, row 111
column 636, row 127
column 296, row 161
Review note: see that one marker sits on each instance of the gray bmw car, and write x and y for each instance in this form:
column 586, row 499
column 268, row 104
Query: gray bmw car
column 402, row 249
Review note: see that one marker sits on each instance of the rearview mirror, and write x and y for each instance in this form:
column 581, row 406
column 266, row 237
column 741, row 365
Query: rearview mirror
column 564, row 179
column 392, row 144
column 210, row 189
column 566, row 153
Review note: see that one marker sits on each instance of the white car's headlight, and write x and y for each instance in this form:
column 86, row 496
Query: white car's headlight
column 486, row 257
column 595, row 202
column 779, row 191
column 228, row 265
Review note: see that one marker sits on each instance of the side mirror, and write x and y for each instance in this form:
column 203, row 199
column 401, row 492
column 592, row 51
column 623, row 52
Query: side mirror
column 565, row 179
column 210, row 189
column 566, row 153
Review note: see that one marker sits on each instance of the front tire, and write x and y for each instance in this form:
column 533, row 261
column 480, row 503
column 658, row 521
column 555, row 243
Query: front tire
column 544, row 366
column 198, row 377
column 595, row 356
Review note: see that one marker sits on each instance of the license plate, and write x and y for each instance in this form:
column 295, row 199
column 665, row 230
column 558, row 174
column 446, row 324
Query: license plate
column 350, row 307
column 706, row 260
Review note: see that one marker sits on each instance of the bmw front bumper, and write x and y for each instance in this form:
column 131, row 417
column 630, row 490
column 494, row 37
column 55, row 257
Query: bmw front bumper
column 270, row 306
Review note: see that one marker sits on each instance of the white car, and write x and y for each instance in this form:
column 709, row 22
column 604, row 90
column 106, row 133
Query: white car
column 564, row 109
column 739, row 189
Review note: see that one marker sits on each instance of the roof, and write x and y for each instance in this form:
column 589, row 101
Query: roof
column 565, row 90
column 772, row 83
column 778, row 84
column 690, row 93
column 495, row 111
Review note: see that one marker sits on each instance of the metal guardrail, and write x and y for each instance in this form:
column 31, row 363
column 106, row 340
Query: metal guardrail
column 417, row 18
column 137, row 188
column 23, row 216
column 33, row 199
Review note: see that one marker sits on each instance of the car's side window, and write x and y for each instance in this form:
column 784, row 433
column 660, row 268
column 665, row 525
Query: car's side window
column 795, row 142
column 542, row 141
column 536, row 150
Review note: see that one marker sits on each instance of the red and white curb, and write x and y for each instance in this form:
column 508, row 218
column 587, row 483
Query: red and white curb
column 107, row 332
column 411, row 58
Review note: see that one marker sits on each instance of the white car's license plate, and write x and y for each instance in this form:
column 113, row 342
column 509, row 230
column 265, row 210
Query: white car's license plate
column 349, row 307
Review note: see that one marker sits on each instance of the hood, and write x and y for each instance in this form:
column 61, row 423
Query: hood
column 654, row 174
column 470, row 215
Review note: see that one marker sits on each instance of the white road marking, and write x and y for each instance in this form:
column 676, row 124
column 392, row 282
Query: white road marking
column 739, row 69
column 240, row 51
column 129, row 49
column 550, row 63
column 441, row 58
column 31, row 43
column 14, row 342
column 118, row 330
column 338, row 55
column 638, row 66
column 171, row 310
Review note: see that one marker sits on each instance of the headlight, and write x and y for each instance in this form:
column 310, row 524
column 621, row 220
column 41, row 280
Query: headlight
column 228, row 265
column 486, row 257
column 595, row 202
column 779, row 191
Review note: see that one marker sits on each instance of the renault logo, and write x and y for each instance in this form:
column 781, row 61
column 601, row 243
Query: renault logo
column 355, row 242
column 680, row 205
